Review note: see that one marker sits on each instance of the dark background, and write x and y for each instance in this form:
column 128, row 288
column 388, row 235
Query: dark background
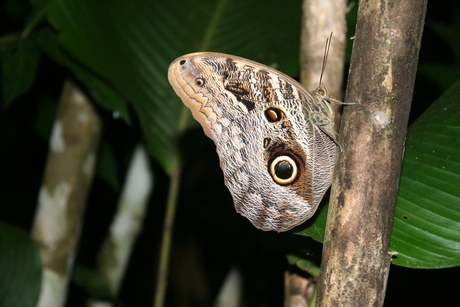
column 210, row 238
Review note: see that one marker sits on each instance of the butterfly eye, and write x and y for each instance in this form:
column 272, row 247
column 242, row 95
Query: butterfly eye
column 273, row 114
column 322, row 91
column 199, row 82
column 283, row 170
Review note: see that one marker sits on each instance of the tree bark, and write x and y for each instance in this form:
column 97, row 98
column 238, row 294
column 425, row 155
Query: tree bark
column 114, row 255
column 62, row 200
column 298, row 289
column 320, row 19
column 356, row 262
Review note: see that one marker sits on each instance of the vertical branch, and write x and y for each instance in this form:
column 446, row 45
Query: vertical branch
column 356, row 262
column 116, row 250
column 320, row 18
column 168, row 227
column 62, row 199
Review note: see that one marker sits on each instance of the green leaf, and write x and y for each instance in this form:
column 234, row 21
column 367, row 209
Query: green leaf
column 426, row 230
column 130, row 44
column 442, row 75
column 315, row 227
column 100, row 90
column 20, row 268
column 19, row 68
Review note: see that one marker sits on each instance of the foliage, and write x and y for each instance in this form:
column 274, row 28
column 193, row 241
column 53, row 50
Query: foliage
column 120, row 52
column 20, row 272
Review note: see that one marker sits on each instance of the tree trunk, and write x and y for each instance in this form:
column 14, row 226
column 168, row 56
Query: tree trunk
column 62, row 200
column 319, row 20
column 115, row 253
column 356, row 261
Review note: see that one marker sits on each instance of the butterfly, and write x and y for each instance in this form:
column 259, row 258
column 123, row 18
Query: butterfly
column 275, row 140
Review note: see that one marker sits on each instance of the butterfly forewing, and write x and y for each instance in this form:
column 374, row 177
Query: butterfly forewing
column 274, row 139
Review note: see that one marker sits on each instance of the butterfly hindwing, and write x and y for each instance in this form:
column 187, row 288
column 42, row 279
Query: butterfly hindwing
column 275, row 140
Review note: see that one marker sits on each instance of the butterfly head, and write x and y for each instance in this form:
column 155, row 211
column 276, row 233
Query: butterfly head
column 186, row 73
column 189, row 77
column 321, row 91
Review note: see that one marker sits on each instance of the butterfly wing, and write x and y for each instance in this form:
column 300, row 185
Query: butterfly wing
column 271, row 135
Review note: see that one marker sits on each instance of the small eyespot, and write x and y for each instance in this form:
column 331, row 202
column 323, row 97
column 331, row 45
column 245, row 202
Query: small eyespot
column 283, row 170
column 273, row 115
column 182, row 62
column 199, row 82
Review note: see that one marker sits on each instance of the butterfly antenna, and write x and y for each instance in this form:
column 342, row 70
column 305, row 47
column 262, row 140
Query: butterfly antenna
column 326, row 53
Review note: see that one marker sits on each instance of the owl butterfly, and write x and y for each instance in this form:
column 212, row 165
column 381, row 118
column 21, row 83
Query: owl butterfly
column 275, row 140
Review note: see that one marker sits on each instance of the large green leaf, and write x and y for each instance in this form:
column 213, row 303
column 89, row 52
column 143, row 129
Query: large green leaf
column 130, row 44
column 103, row 93
column 20, row 268
column 426, row 230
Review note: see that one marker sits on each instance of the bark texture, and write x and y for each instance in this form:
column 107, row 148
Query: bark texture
column 299, row 290
column 355, row 261
column 62, row 199
column 320, row 18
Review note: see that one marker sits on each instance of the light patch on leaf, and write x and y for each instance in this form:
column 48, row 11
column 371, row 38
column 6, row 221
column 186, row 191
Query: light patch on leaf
column 57, row 142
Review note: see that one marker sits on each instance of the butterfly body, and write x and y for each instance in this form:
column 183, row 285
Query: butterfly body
column 274, row 139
